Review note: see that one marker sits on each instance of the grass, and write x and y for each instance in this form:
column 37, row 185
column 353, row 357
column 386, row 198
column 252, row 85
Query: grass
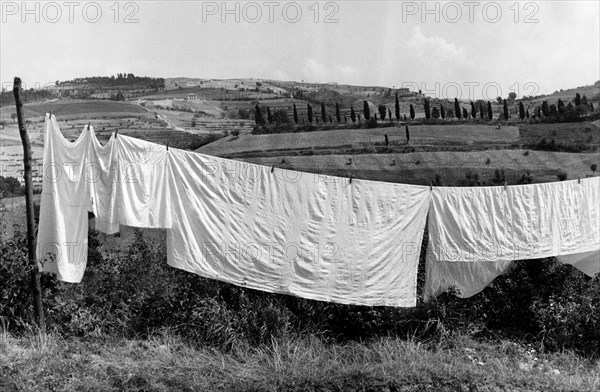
column 37, row 362
column 450, row 165
column 421, row 135
column 568, row 133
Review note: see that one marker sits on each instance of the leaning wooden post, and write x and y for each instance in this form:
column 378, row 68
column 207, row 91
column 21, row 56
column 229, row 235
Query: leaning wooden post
column 34, row 273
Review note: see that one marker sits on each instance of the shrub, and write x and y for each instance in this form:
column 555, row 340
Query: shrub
column 372, row 122
column 562, row 176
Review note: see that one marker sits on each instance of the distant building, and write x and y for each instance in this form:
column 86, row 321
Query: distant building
column 192, row 97
column 403, row 92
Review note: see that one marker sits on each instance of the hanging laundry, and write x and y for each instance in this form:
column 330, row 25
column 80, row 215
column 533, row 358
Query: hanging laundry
column 141, row 188
column 476, row 233
column 63, row 223
column 281, row 231
column 103, row 177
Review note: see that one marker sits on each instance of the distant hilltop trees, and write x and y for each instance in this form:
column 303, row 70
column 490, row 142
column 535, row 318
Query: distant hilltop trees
column 129, row 80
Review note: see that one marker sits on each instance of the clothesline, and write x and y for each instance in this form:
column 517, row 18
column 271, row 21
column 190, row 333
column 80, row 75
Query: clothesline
column 331, row 239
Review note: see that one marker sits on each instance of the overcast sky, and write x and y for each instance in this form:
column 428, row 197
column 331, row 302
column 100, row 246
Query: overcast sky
column 385, row 43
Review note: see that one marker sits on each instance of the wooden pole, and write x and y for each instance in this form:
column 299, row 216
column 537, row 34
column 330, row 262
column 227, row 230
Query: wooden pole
column 36, row 289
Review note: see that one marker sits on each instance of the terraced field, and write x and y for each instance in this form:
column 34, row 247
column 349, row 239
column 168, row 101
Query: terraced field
column 445, row 154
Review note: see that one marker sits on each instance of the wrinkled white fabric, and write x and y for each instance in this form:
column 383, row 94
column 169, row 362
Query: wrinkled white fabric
column 141, row 189
column 103, row 177
column 476, row 233
column 311, row 236
column 63, row 222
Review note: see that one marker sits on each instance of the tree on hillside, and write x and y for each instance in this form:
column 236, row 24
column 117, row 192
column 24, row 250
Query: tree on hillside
column 457, row 110
column 481, row 115
column 521, row 111
column 584, row 101
column 465, row 113
column 309, row 113
column 366, row 111
column 412, row 112
column 545, row 109
column 426, row 108
column 352, row 115
column 269, row 116
column 295, row 114
column 499, row 100
column 442, row 112
column 512, row 96
column 489, row 110
column 435, row 113
column 473, row 110
column 258, row 117
column 323, row 113
column 397, row 108
column 280, row 116
column 560, row 106
column 382, row 112
column 338, row 116
column 505, row 109
column 577, row 99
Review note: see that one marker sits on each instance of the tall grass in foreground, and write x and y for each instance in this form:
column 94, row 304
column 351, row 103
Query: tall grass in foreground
column 34, row 362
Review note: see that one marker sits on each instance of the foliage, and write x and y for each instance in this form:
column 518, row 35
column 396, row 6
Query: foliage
column 133, row 292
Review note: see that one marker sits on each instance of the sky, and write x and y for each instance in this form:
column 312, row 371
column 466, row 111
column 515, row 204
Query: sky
column 469, row 49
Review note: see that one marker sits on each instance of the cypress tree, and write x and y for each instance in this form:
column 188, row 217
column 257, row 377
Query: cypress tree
column 366, row 110
column 397, row 108
column 527, row 113
column 390, row 114
column 310, row 113
column 352, row 115
column 577, row 99
column 269, row 116
column 481, row 110
column 490, row 113
column 505, row 109
column 561, row 106
column 323, row 113
column 338, row 116
column 465, row 113
column 258, row 117
column 295, row 114
column 545, row 109
column 382, row 112
column 473, row 110
column 442, row 112
column 427, row 110
column 457, row 111
column 412, row 112
column 521, row 110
